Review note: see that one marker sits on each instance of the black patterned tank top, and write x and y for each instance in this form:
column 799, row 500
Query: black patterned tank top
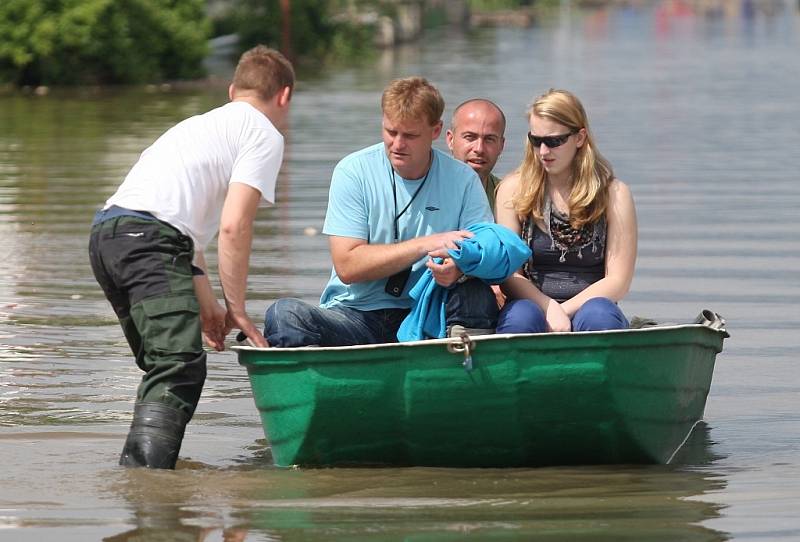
column 564, row 261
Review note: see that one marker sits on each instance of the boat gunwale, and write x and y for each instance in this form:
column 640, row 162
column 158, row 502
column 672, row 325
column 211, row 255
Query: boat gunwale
column 474, row 338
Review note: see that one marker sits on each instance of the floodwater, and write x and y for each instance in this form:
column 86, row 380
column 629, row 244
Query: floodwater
column 697, row 108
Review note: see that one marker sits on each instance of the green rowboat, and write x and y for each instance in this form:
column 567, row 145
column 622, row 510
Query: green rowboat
column 605, row 397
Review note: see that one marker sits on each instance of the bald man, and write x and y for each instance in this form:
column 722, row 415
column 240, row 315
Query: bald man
column 476, row 136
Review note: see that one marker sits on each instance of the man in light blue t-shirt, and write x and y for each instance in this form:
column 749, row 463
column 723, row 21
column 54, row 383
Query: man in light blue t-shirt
column 393, row 207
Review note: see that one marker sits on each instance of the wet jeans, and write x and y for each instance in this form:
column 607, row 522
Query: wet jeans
column 291, row 322
column 525, row 316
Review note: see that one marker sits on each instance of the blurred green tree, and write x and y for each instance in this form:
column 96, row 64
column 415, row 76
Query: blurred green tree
column 309, row 30
column 45, row 42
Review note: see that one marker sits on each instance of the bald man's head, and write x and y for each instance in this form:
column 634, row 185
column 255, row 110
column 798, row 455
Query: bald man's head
column 476, row 135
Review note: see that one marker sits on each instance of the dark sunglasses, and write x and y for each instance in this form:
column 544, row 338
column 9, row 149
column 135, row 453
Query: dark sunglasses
column 551, row 141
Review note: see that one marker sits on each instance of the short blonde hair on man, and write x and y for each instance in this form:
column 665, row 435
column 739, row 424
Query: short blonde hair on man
column 412, row 98
column 263, row 71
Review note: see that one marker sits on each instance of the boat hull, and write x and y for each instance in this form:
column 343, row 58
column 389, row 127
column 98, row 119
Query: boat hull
column 612, row 397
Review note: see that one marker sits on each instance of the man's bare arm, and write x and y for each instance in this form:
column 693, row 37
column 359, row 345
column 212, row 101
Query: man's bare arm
column 234, row 245
column 355, row 260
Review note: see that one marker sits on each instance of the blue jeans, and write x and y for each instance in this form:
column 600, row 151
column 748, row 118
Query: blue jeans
column 525, row 316
column 291, row 322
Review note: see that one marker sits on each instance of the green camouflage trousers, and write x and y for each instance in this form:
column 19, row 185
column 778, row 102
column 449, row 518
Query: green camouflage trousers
column 145, row 269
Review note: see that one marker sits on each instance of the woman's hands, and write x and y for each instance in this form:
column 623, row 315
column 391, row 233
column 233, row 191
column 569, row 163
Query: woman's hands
column 556, row 317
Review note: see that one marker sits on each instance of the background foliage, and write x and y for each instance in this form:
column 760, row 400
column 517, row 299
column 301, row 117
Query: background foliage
column 49, row 42
column 101, row 41
column 317, row 29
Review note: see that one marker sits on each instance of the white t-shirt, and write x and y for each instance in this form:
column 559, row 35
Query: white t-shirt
column 183, row 177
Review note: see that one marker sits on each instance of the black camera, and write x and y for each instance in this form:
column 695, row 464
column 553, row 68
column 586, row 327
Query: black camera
column 397, row 282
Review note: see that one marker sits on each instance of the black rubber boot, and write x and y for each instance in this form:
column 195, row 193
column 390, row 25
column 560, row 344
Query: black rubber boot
column 155, row 437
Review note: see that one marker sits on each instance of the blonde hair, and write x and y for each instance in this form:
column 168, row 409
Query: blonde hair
column 591, row 172
column 412, row 98
column 263, row 71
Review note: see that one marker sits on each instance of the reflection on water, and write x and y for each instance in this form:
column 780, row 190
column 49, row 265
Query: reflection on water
column 693, row 102
column 622, row 503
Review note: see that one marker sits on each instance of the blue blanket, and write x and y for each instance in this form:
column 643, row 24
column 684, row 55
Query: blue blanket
column 493, row 254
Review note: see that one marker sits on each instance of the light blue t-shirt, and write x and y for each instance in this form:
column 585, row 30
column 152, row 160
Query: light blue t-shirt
column 361, row 205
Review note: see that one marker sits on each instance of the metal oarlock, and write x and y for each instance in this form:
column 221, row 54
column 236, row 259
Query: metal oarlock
column 710, row 319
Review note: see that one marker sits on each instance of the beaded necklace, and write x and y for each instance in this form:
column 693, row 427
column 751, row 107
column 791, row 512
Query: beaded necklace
column 563, row 236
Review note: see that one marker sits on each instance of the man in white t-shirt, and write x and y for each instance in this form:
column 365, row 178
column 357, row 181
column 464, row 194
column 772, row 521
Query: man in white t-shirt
column 206, row 174
column 394, row 210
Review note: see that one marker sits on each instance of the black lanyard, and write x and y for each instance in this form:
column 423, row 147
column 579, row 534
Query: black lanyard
column 394, row 194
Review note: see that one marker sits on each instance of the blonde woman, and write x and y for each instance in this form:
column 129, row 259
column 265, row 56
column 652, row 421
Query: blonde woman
column 579, row 220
